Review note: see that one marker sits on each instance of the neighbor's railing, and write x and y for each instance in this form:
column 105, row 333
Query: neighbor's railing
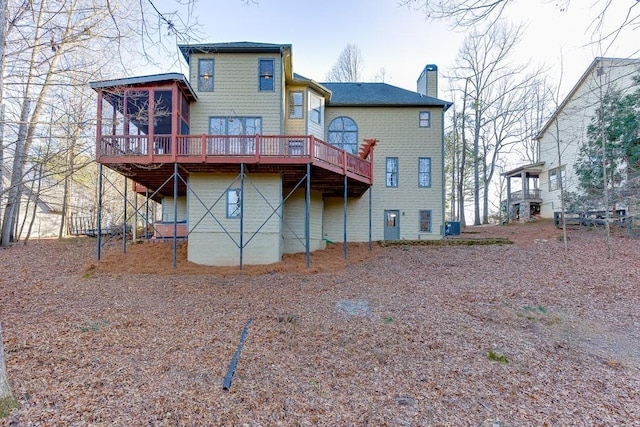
column 528, row 195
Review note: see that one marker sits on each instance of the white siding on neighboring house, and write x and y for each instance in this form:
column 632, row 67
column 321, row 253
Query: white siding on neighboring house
column 570, row 122
column 209, row 244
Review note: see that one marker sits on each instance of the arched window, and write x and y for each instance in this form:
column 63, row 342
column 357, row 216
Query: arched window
column 343, row 133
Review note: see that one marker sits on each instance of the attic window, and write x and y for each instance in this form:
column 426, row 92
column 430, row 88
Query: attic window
column 266, row 70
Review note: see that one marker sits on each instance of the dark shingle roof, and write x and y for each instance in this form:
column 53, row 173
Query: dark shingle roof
column 148, row 79
column 378, row 95
column 232, row 47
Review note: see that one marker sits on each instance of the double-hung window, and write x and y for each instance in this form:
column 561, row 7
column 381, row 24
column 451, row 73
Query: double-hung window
column 424, row 119
column 296, row 105
column 425, row 221
column 392, row 171
column 316, row 107
column 556, row 178
column 205, row 75
column 265, row 69
column 424, row 172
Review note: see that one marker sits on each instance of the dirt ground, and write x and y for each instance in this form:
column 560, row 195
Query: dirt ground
column 508, row 335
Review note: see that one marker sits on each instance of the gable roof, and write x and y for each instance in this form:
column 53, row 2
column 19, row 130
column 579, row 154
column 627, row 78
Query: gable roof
column 299, row 79
column 378, row 95
column 182, row 81
column 596, row 62
column 232, row 47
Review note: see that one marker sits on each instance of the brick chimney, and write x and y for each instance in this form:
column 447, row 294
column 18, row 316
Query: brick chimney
column 428, row 81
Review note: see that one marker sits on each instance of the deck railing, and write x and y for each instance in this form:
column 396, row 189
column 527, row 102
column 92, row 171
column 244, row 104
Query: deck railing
column 531, row 194
column 217, row 148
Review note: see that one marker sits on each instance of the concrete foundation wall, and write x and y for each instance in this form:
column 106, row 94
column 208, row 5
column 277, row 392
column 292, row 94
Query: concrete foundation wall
column 216, row 241
column 294, row 209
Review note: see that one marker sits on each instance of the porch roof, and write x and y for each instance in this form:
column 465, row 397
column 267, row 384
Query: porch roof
column 153, row 79
column 532, row 170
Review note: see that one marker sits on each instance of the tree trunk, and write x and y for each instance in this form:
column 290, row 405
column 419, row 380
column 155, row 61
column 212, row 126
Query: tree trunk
column 7, row 401
column 10, row 213
column 476, row 167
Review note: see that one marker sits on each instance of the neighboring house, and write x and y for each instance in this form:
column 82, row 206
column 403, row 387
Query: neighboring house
column 40, row 206
column 540, row 182
column 258, row 161
column 39, row 211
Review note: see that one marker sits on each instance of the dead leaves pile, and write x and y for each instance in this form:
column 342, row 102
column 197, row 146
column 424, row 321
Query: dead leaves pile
column 521, row 334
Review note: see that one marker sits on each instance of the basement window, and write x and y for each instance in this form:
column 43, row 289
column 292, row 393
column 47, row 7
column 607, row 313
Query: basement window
column 425, row 221
column 234, row 203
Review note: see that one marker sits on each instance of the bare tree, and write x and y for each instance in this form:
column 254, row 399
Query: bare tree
column 349, row 66
column 468, row 13
column 44, row 41
column 503, row 129
column 538, row 104
column 483, row 63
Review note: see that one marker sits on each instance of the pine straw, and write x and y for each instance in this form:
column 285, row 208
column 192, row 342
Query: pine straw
column 401, row 336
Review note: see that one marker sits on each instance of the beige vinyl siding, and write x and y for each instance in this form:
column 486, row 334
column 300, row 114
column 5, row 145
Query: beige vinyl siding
column 208, row 242
column 236, row 93
column 295, row 126
column 168, row 209
column 294, row 218
column 399, row 136
column 357, row 219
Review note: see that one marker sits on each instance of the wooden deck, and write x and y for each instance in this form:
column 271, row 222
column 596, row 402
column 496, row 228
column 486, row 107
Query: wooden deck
column 149, row 160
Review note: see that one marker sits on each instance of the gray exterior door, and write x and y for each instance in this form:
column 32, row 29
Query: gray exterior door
column 391, row 225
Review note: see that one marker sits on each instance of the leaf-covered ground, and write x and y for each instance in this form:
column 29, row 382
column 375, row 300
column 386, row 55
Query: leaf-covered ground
column 509, row 335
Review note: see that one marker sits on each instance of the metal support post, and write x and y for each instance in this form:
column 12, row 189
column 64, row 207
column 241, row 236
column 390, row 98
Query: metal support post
column 124, row 220
column 99, row 214
column 307, row 213
column 344, row 244
column 175, row 215
column 241, row 213
column 146, row 213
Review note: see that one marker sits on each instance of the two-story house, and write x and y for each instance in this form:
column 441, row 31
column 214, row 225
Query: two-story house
column 255, row 161
column 561, row 137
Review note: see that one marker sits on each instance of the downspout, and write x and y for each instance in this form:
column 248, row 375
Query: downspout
column 442, row 177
